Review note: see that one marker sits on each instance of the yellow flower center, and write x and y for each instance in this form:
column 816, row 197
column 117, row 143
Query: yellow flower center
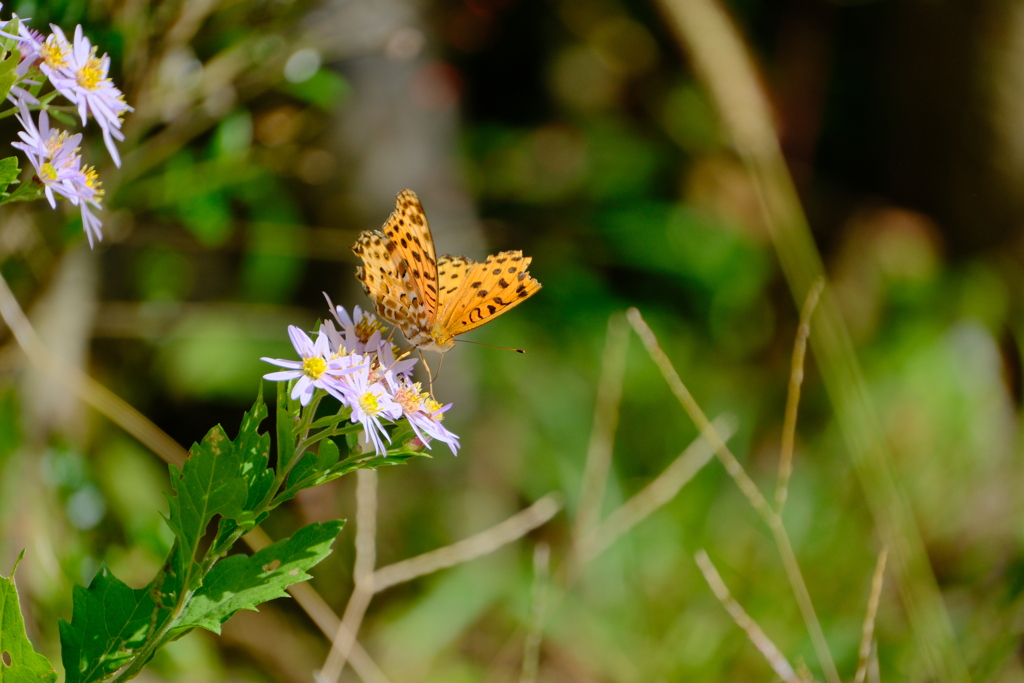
column 432, row 406
column 55, row 142
column 47, row 173
column 314, row 367
column 54, row 53
column 409, row 397
column 368, row 402
column 367, row 326
column 91, row 75
column 92, row 181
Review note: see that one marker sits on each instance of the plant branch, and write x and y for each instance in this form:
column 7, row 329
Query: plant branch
column 606, row 419
column 868, row 630
column 749, row 489
column 796, row 378
column 776, row 660
column 656, row 494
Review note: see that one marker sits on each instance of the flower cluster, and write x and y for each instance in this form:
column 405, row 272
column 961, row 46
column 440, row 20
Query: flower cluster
column 359, row 368
column 77, row 73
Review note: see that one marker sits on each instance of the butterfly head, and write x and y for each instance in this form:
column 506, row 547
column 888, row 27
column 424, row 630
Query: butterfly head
column 440, row 341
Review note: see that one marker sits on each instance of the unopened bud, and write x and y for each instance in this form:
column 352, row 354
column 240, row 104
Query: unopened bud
column 414, row 444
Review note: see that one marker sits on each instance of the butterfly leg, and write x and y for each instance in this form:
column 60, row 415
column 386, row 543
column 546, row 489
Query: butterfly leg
column 430, row 377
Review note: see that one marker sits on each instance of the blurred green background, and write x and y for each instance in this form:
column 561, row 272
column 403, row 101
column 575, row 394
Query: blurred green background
column 268, row 134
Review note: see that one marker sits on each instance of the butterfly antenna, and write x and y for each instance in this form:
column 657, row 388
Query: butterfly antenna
column 491, row 346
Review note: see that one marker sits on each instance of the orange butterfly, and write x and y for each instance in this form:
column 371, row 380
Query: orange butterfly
column 433, row 300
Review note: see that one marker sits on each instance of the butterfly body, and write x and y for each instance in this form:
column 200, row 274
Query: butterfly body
column 433, row 300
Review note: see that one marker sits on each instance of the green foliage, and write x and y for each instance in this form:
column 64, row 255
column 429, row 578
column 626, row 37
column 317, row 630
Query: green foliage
column 8, row 172
column 116, row 628
column 110, row 621
column 25, row 664
column 241, row 582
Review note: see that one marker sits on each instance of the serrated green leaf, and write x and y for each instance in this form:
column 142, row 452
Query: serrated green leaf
column 108, row 622
column 11, row 29
column 210, row 483
column 26, row 665
column 255, row 451
column 8, row 172
column 242, row 582
column 7, row 81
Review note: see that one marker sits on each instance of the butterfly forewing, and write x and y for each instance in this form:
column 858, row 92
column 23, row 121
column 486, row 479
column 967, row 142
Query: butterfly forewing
column 486, row 290
column 408, row 231
column 388, row 283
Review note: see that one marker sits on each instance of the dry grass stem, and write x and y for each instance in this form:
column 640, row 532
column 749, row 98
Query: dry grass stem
column 748, row 487
column 531, row 648
column 726, row 68
column 657, row 493
column 796, row 378
column 868, row 630
column 606, row 419
column 478, row 545
column 362, row 574
column 780, row 665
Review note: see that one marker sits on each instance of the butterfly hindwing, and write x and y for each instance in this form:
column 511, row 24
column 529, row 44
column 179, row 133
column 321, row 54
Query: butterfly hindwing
column 408, row 232
column 485, row 290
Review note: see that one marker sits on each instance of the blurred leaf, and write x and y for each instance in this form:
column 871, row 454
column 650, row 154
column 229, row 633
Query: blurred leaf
column 109, row 621
column 234, row 135
column 208, row 217
column 212, row 355
column 326, row 90
column 243, row 582
column 10, row 425
column 26, row 665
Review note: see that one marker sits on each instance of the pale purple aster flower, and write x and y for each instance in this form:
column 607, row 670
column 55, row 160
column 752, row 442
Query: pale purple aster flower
column 424, row 414
column 84, row 81
column 92, row 225
column 388, row 364
column 357, row 330
column 370, row 402
column 54, row 155
column 315, row 370
column 52, row 53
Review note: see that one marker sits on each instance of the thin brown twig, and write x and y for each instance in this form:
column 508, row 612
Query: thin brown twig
column 725, row 66
column 477, row 545
column 362, row 593
column 656, row 494
column 531, row 648
column 776, row 660
column 748, row 487
column 796, row 378
column 606, row 419
column 868, row 630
